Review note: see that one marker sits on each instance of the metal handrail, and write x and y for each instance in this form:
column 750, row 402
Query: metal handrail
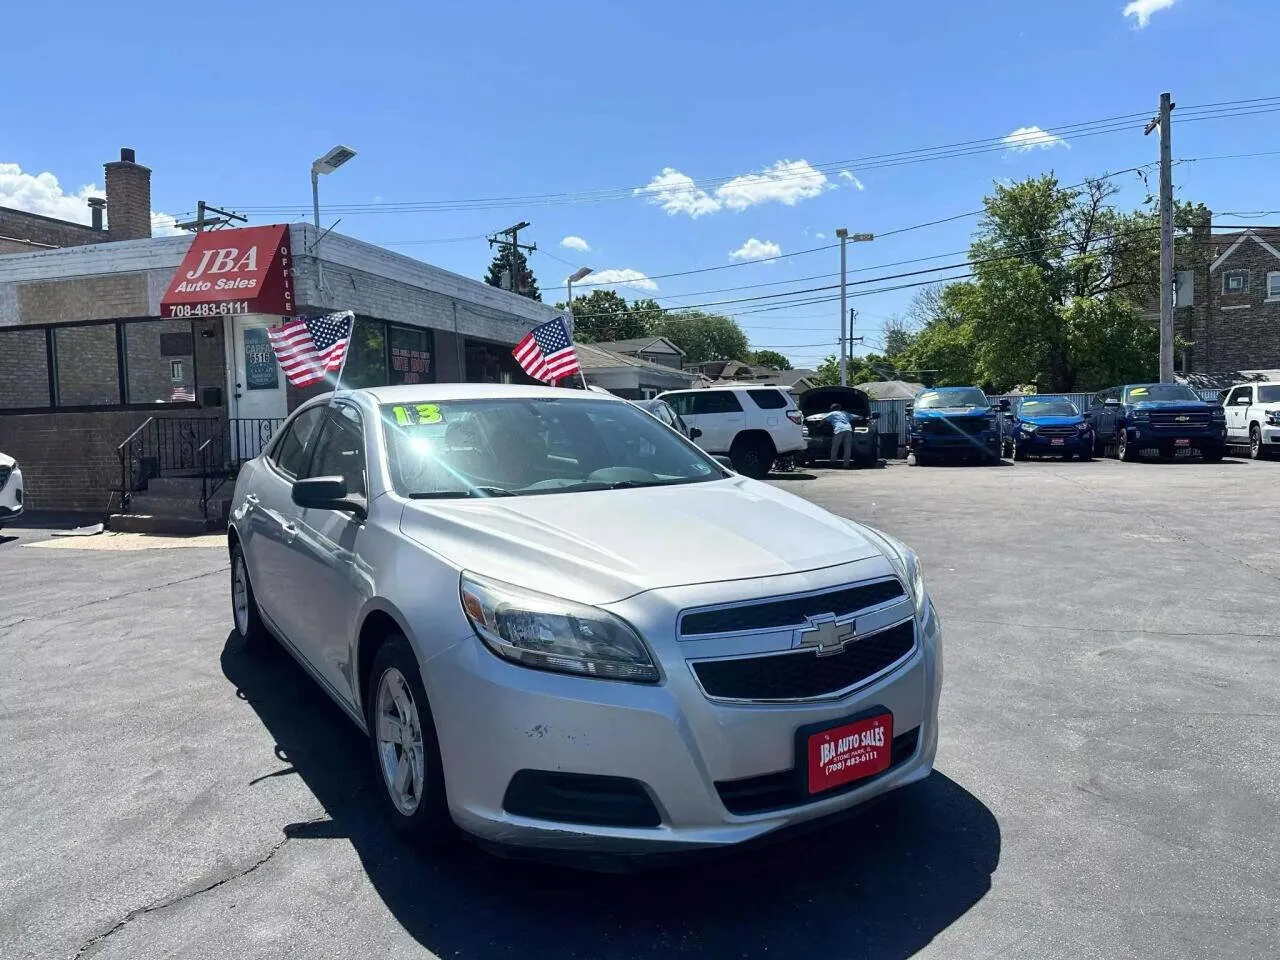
column 145, row 423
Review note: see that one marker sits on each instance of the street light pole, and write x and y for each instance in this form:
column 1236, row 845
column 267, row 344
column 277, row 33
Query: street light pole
column 315, row 198
column 574, row 278
column 330, row 162
column 845, row 237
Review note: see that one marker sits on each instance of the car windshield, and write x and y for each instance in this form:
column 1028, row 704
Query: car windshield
column 1160, row 391
column 533, row 445
column 966, row 397
column 1053, row 407
column 1269, row 394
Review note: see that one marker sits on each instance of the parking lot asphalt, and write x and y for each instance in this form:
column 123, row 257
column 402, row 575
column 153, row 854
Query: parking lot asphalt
column 1106, row 783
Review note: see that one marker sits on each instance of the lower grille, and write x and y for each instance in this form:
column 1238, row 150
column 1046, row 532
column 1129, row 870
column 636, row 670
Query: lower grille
column 803, row 675
column 777, row 791
column 580, row 798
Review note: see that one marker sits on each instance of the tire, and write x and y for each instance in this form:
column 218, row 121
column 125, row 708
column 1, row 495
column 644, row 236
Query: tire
column 1006, row 449
column 248, row 623
column 1213, row 454
column 1257, row 451
column 1019, row 453
column 1124, row 450
column 396, row 709
column 919, row 459
column 752, row 457
column 1086, row 453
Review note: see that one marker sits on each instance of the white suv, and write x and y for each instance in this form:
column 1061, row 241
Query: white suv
column 10, row 489
column 1253, row 417
column 752, row 425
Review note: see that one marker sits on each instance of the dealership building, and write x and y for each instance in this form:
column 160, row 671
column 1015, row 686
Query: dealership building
column 126, row 358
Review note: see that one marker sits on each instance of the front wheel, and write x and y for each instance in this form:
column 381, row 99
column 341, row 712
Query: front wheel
column 1213, row 454
column 1019, row 452
column 1256, row 450
column 244, row 605
column 751, row 458
column 1125, row 450
column 1086, row 452
column 406, row 753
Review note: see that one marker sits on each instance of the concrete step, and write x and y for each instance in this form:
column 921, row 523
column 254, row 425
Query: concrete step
column 183, row 506
column 162, row 526
column 175, row 487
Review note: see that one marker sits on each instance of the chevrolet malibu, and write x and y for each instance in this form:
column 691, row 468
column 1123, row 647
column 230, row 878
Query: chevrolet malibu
column 564, row 627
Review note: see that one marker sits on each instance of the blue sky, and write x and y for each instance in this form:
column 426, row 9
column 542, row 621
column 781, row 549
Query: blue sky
column 450, row 101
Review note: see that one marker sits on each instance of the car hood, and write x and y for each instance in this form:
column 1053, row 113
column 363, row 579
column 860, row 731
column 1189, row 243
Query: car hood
column 817, row 401
column 1173, row 406
column 1048, row 421
column 6, row 460
column 934, row 413
column 602, row 546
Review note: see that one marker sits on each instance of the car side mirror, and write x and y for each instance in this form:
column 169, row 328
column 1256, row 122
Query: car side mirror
column 725, row 462
column 1004, row 403
column 1111, row 402
column 694, row 433
column 326, row 493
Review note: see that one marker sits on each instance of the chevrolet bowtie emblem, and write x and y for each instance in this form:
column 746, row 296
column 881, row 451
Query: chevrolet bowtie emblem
column 1182, row 419
column 825, row 634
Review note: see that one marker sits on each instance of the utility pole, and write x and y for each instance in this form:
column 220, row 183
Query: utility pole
column 204, row 222
column 512, row 244
column 1166, row 235
column 845, row 318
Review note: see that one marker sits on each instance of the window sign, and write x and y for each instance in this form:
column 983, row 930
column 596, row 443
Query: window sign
column 410, row 355
column 175, row 371
column 260, row 369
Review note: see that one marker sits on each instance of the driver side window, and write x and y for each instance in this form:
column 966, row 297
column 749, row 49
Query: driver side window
column 340, row 452
column 292, row 450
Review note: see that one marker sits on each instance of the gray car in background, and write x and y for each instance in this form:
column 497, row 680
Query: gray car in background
column 565, row 627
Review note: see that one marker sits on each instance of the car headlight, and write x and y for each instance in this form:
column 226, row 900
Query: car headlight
column 1084, row 427
column 1140, row 415
column 1273, row 418
column 548, row 633
column 991, row 423
column 1028, row 428
column 905, row 562
column 1217, row 413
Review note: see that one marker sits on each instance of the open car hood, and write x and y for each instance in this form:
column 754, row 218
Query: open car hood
column 856, row 402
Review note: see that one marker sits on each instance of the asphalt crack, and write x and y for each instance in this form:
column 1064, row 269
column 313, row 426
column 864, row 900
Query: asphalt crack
column 96, row 941
column 117, row 596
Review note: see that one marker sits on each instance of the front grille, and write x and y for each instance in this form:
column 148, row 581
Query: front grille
column 1056, row 432
column 968, row 426
column 777, row 791
column 792, row 612
column 802, row 674
column 1179, row 421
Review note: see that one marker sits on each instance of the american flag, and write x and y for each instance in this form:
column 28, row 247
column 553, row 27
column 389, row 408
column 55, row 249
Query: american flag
column 183, row 395
column 310, row 347
column 546, row 352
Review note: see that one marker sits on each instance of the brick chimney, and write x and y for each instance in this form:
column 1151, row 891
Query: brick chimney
column 128, row 198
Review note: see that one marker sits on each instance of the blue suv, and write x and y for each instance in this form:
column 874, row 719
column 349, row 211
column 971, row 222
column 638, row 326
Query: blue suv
column 1049, row 426
column 955, row 422
column 1166, row 416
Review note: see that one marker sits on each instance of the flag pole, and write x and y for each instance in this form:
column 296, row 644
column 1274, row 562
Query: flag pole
column 345, row 353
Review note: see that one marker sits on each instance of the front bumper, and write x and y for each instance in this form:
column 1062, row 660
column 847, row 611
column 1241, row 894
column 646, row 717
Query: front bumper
column 819, row 448
column 1271, row 435
column 987, row 442
column 1035, row 444
column 1146, row 436
column 496, row 719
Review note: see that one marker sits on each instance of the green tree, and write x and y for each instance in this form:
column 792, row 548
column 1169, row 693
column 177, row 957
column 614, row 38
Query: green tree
column 604, row 315
column 769, row 358
column 526, row 284
column 860, row 369
column 898, row 336
column 649, row 314
column 703, row 336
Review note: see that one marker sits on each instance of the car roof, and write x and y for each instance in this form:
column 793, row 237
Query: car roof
column 419, row 392
column 727, row 386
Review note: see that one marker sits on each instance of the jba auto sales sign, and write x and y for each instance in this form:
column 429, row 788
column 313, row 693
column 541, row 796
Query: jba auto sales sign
column 249, row 270
column 849, row 752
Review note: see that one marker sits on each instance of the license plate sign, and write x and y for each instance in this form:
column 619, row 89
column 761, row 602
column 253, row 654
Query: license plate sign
column 1057, row 442
column 849, row 752
column 1182, row 442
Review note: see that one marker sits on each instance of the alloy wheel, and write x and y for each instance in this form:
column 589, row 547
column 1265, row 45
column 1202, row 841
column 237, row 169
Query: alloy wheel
column 240, row 595
column 399, row 737
column 1255, row 443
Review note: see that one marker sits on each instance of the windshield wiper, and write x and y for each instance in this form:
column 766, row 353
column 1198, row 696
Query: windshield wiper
column 460, row 494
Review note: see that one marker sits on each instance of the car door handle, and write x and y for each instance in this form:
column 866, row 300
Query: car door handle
column 290, row 529
column 251, row 500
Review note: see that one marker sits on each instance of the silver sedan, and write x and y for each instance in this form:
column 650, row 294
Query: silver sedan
column 565, row 627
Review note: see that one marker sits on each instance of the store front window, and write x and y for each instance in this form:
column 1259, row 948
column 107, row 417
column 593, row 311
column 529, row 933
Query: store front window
column 159, row 362
column 24, row 370
column 88, row 365
column 366, row 355
column 410, row 355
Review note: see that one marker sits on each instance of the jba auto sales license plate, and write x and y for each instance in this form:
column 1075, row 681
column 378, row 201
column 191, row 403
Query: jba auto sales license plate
column 849, row 752
column 1182, row 442
column 1057, row 442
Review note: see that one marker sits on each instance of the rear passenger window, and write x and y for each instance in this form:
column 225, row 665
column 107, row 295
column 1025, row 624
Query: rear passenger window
column 714, row 401
column 681, row 403
column 294, row 447
column 768, row 399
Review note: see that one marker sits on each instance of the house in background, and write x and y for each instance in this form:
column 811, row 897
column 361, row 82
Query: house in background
column 1229, row 302
column 630, row 377
column 736, row 371
column 657, row 350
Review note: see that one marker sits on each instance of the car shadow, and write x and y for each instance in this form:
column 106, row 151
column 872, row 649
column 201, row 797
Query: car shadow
column 881, row 884
column 794, row 475
column 6, row 538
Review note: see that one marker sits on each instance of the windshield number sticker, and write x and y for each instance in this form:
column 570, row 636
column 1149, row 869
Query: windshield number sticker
column 417, row 413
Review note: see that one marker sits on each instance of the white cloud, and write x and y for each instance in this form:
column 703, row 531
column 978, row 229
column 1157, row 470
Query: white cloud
column 821, row 236
column 677, row 193
column 1143, row 9
column 845, row 174
column 1032, row 138
column 787, row 181
column 42, row 193
column 575, row 243
column 755, row 249
column 624, row 277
